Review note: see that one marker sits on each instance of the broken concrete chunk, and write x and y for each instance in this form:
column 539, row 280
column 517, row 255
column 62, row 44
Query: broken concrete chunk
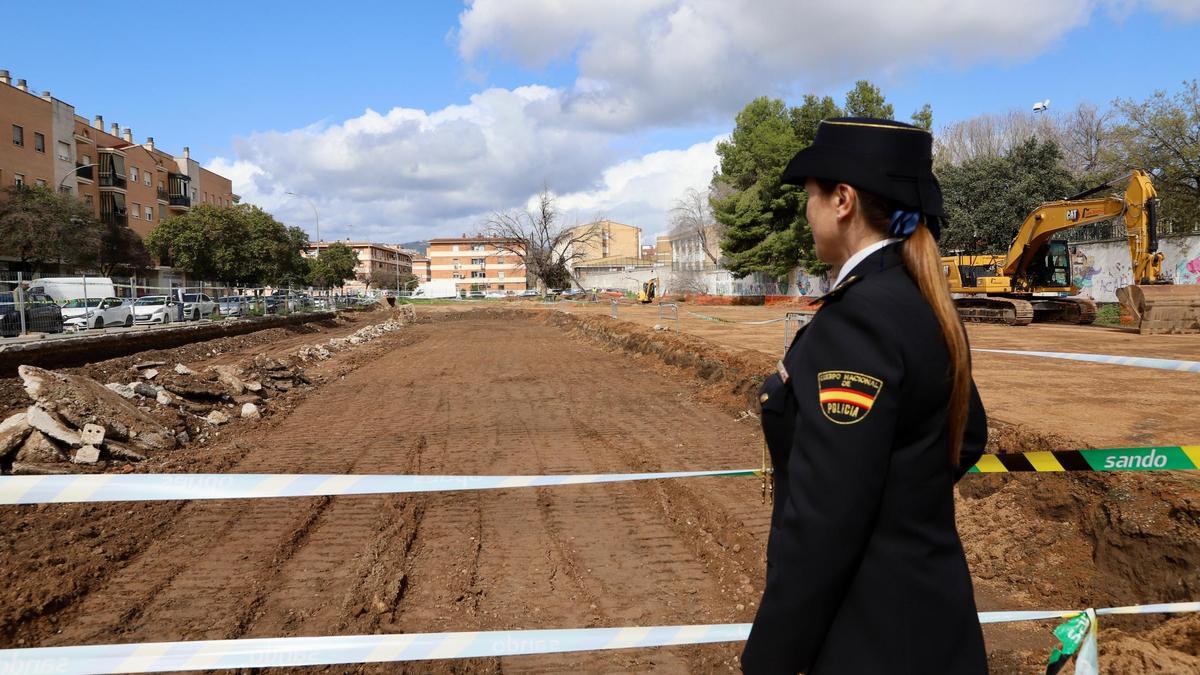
column 123, row 390
column 38, row 469
column 39, row 449
column 120, row 451
column 165, row 398
column 88, row 454
column 149, row 373
column 217, row 417
column 229, row 376
column 13, row 432
column 250, row 411
column 146, row 389
column 148, row 364
column 183, row 370
column 93, row 434
column 253, row 386
column 51, row 426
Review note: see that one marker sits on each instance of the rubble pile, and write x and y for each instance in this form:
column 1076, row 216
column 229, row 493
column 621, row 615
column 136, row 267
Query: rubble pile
column 321, row 352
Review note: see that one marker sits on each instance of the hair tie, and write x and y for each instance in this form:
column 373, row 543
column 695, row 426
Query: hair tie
column 904, row 223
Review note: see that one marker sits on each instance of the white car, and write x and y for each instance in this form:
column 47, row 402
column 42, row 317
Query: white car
column 154, row 309
column 495, row 295
column 197, row 305
column 97, row 313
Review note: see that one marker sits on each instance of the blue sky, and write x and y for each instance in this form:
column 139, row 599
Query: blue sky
column 629, row 95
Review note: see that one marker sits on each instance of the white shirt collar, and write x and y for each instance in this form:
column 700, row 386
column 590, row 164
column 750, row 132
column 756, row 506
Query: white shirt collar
column 860, row 256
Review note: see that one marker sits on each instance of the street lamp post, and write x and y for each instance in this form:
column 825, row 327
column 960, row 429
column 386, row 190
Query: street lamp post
column 316, row 218
column 63, row 182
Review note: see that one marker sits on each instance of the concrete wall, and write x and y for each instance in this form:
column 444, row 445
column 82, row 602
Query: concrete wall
column 1099, row 268
column 63, row 115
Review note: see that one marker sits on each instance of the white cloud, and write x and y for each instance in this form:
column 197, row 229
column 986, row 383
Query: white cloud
column 676, row 61
column 643, row 191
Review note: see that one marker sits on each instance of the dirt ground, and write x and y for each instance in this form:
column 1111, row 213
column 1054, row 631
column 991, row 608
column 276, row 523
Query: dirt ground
column 523, row 392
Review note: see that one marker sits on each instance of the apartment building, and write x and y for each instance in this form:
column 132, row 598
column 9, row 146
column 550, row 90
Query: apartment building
column 695, row 251
column 476, row 263
column 380, row 266
column 606, row 239
column 126, row 183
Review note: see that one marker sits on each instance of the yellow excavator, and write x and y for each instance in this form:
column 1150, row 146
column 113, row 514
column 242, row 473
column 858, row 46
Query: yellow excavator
column 1033, row 281
column 649, row 290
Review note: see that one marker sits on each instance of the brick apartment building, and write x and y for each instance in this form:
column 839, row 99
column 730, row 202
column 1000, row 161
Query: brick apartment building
column 123, row 182
column 476, row 263
column 379, row 265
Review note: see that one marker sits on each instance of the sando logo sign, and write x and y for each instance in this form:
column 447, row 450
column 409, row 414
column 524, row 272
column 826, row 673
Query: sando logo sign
column 1149, row 459
column 846, row 397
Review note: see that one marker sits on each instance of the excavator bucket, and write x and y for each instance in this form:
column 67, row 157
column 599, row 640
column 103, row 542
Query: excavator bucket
column 1165, row 308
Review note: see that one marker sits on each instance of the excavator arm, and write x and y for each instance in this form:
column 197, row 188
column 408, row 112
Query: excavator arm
column 1051, row 218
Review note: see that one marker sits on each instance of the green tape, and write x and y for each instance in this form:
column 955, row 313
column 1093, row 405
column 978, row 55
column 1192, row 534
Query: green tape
column 1165, row 458
column 1070, row 634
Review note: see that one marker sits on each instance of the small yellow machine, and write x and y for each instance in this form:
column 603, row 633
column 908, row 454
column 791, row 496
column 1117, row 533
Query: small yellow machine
column 1033, row 281
column 649, row 290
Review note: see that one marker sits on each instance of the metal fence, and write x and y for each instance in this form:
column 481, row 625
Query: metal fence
column 33, row 306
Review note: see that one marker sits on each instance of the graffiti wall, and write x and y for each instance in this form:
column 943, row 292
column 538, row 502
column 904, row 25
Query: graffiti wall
column 1100, row 268
column 809, row 285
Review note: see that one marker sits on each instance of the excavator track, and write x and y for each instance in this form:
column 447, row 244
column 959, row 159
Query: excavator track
column 1008, row 311
column 1073, row 310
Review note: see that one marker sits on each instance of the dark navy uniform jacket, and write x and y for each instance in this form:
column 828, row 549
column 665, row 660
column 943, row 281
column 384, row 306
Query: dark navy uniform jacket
column 865, row 570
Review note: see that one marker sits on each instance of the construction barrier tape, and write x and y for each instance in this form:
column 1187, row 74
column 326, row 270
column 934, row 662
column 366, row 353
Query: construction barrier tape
column 1136, row 361
column 71, row 488
column 1160, row 458
column 148, row 487
column 315, row 651
column 744, row 323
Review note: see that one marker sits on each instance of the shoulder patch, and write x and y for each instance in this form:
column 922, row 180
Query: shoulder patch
column 846, row 397
column 837, row 291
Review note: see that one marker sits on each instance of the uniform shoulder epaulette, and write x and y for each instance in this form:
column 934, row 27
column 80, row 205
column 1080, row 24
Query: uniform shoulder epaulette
column 838, row 290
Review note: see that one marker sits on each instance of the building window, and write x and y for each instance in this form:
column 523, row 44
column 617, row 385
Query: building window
column 18, row 179
column 454, row 248
column 149, row 213
column 478, row 261
column 39, row 182
column 478, row 275
column 18, row 135
column 501, row 274
column 39, row 142
column 133, row 175
column 456, row 275
column 478, row 247
column 65, row 189
column 87, row 199
column 136, row 208
column 64, row 151
column 86, row 160
column 146, row 178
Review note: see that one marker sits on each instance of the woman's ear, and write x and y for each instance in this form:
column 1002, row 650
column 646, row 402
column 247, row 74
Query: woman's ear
column 845, row 198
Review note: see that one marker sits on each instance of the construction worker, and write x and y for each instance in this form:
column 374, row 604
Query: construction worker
column 870, row 419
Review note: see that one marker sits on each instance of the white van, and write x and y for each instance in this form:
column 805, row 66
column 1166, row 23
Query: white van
column 442, row 288
column 62, row 289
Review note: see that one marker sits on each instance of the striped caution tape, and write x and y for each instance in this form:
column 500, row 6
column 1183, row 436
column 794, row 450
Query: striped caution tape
column 149, row 487
column 1135, row 361
column 1159, row 458
column 332, row 650
column 744, row 323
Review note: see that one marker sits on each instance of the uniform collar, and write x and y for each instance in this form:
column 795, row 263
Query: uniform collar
column 862, row 254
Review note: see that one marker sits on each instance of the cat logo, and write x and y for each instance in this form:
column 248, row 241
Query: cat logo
column 1072, row 215
column 846, row 397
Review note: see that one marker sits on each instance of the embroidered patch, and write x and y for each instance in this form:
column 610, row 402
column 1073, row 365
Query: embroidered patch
column 846, row 397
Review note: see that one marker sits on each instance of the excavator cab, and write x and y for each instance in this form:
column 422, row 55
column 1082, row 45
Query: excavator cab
column 1050, row 268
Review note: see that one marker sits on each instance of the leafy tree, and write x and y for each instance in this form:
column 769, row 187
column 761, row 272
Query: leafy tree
column 1162, row 135
column 120, row 247
column 334, row 265
column 764, row 225
column 924, row 117
column 39, row 226
column 865, row 100
column 209, row 242
column 988, row 197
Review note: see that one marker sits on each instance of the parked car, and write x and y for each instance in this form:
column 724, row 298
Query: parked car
column 154, row 309
column 62, row 289
column 475, row 295
column 97, row 313
column 197, row 306
column 42, row 314
column 234, row 305
column 495, row 295
column 529, row 293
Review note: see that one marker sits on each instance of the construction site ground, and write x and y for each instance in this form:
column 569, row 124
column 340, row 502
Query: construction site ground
column 519, row 388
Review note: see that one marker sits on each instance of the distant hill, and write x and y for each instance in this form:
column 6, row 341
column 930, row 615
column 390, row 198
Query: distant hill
column 420, row 246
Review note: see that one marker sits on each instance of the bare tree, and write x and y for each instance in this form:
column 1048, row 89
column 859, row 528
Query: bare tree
column 545, row 248
column 692, row 216
column 1085, row 135
column 990, row 135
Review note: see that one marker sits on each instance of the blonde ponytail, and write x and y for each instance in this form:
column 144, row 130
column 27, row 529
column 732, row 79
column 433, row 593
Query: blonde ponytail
column 921, row 259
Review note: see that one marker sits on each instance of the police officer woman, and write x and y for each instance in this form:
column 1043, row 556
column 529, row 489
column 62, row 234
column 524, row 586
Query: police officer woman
column 870, row 420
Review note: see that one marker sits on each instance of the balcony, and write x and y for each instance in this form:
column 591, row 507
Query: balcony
column 85, row 171
column 180, row 201
column 109, row 179
column 162, row 195
column 116, row 219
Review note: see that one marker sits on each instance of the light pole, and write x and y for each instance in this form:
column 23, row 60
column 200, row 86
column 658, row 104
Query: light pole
column 63, row 182
column 316, row 218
